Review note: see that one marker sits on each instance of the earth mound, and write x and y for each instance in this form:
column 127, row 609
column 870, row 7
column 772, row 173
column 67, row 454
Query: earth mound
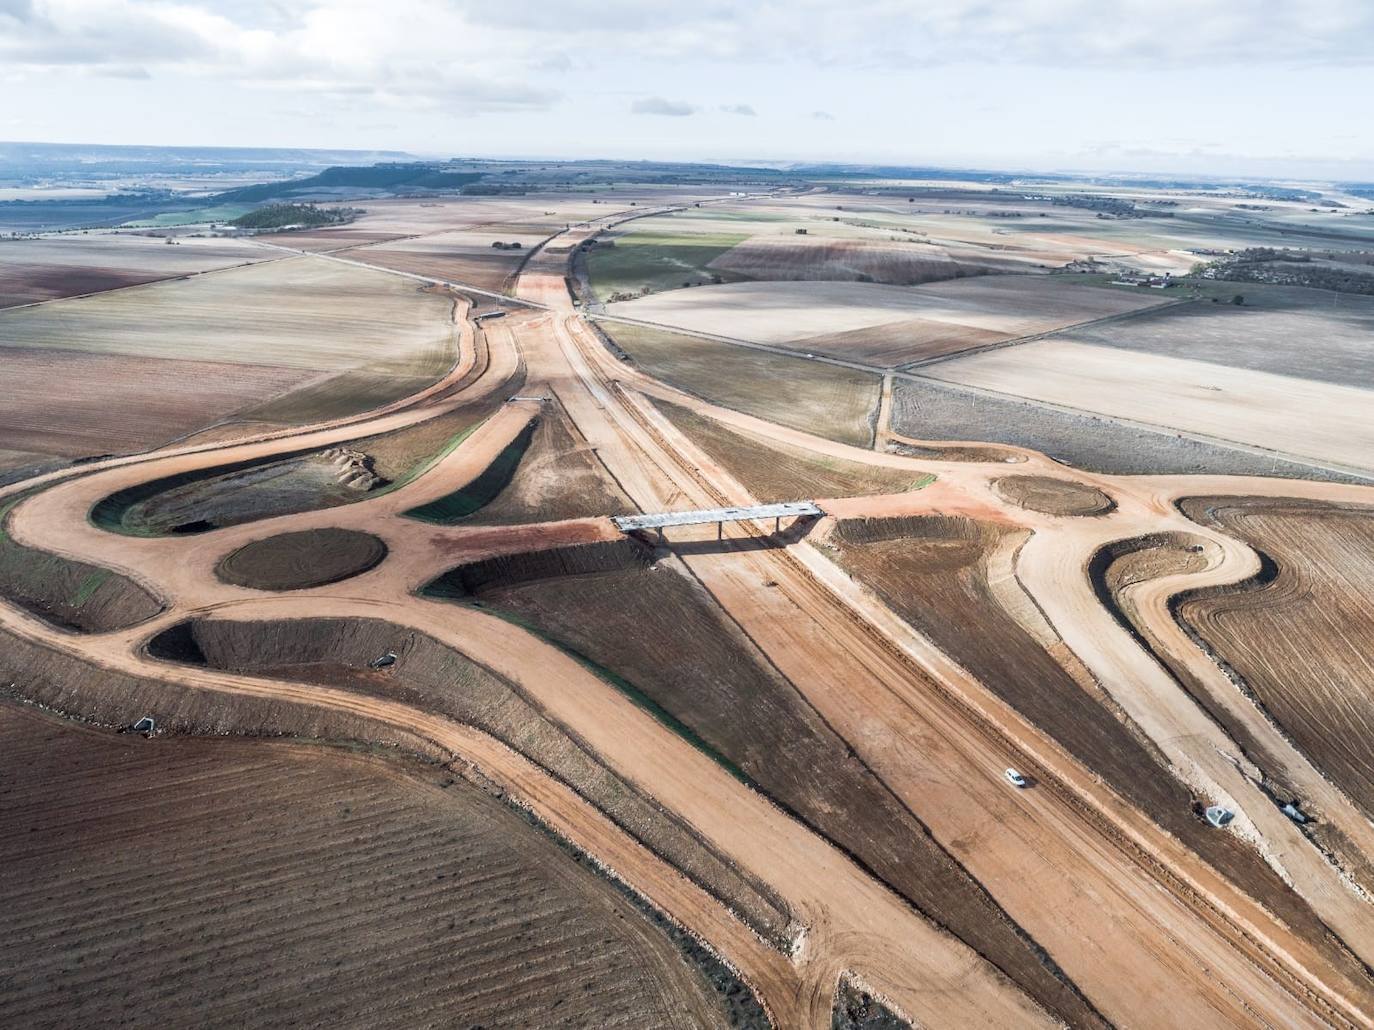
column 298, row 561
column 1050, row 495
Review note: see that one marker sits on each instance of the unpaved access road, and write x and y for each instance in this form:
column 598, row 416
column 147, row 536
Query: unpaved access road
column 1127, row 913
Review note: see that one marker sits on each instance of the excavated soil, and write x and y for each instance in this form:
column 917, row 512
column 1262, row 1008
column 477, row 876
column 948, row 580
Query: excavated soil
column 934, row 572
column 67, row 593
column 653, row 631
column 856, row 1009
column 559, row 477
column 1053, row 496
column 297, row 561
column 234, row 883
column 431, row 676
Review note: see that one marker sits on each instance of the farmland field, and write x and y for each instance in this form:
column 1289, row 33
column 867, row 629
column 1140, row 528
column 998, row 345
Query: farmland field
column 131, row 369
column 1321, row 421
column 258, row 884
column 64, row 266
column 837, row 403
column 74, row 404
column 807, row 257
column 1298, row 637
column 929, row 410
column 648, row 260
column 430, row 675
column 1309, row 334
column 883, row 325
column 774, row 472
column 466, row 257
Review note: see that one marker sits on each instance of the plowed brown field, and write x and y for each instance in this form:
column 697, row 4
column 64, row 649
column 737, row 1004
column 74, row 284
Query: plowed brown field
column 255, row 884
column 76, row 404
column 1298, row 637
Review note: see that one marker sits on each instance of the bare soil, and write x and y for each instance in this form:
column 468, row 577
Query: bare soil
column 76, row 404
column 1297, row 637
column 559, row 477
column 68, row 593
column 436, row 678
column 808, row 257
column 261, row 884
column 1051, row 495
column 934, row 571
column 928, row 410
column 654, row 632
column 836, row 403
column 297, row 561
column 777, row 472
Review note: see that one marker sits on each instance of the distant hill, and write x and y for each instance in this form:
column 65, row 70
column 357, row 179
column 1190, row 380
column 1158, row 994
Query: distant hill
column 391, row 177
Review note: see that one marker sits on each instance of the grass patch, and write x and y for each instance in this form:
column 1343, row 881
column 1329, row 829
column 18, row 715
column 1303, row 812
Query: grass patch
column 466, row 500
column 168, row 219
column 438, row 591
column 827, row 400
column 655, row 261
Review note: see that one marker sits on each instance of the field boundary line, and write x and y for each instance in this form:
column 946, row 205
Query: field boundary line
column 151, row 282
column 1120, row 316
column 1254, row 450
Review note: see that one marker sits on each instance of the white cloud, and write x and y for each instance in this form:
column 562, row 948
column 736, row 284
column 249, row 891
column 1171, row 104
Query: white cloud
column 658, row 105
column 823, row 116
column 745, row 109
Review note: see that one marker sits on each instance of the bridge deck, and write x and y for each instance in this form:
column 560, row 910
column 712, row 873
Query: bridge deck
column 786, row 510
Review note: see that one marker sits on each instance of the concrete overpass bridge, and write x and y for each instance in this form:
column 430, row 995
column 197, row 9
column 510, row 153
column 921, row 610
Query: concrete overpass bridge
column 704, row 516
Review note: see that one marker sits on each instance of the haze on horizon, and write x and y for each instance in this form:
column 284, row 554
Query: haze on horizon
column 1264, row 89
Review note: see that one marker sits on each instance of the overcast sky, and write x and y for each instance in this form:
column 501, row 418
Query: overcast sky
column 1264, row 87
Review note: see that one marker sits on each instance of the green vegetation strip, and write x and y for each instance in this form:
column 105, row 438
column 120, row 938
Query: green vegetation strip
column 438, row 590
column 477, row 494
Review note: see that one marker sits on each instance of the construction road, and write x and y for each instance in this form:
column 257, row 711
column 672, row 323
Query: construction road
column 1130, row 914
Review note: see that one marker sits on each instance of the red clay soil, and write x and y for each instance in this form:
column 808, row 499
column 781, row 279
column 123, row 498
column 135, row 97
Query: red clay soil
column 934, row 572
column 185, row 881
column 659, row 635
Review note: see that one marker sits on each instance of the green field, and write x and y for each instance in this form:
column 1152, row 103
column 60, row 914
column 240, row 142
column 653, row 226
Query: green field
column 836, row 403
column 656, row 261
column 196, row 216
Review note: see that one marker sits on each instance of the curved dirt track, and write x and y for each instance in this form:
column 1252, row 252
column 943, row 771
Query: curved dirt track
column 1127, row 912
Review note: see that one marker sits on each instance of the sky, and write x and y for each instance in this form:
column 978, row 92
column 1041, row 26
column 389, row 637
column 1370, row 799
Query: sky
column 1273, row 88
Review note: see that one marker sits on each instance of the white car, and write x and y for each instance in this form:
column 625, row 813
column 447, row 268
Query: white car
column 1016, row 779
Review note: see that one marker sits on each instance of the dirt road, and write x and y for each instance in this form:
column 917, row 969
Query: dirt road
column 1125, row 911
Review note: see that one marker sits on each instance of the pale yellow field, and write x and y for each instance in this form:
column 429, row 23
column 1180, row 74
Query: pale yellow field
column 1297, row 416
column 298, row 313
column 785, row 313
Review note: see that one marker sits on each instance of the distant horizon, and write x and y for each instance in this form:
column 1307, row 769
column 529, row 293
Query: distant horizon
column 783, row 164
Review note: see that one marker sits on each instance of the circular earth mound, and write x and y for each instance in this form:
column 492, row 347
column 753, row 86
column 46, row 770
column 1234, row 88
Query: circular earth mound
column 297, row 561
column 1053, row 496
